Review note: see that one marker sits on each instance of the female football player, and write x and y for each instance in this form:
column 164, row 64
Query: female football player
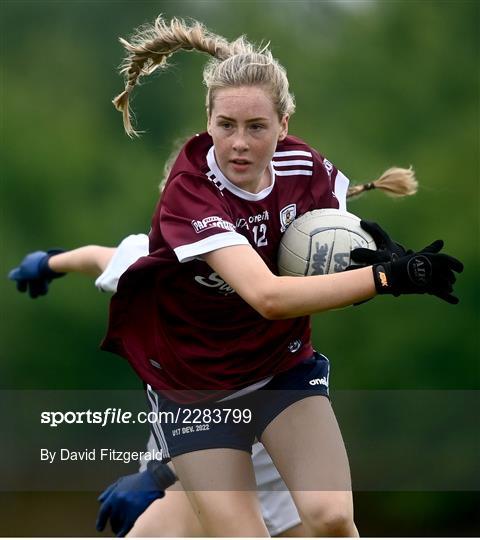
column 222, row 342
column 136, row 501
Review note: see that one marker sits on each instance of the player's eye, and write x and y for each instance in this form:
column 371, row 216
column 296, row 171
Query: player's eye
column 257, row 127
column 225, row 125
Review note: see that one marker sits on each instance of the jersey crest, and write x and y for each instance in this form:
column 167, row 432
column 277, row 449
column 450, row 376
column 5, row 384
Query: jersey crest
column 287, row 215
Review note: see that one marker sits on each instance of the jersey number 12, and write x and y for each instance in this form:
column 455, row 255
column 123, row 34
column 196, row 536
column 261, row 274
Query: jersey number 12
column 260, row 234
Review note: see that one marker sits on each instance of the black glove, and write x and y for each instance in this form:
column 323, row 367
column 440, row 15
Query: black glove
column 125, row 500
column 34, row 274
column 425, row 272
column 387, row 250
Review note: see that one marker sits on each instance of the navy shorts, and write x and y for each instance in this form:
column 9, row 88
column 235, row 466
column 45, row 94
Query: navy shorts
column 236, row 422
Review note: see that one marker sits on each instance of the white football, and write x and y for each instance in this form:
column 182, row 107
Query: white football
column 319, row 242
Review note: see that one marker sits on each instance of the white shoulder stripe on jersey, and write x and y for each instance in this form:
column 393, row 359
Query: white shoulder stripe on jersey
column 292, row 153
column 341, row 186
column 293, row 162
column 188, row 252
column 293, row 173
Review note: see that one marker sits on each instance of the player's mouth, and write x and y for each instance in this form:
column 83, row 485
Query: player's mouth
column 239, row 164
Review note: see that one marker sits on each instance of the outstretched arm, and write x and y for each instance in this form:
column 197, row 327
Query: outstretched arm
column 39, row 268
column 89, row 260
column 107, row 264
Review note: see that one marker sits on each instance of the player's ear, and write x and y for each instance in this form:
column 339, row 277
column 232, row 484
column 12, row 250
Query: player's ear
column 283, row 128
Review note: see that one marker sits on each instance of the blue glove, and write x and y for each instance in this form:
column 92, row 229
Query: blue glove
column 34, row 274
column 130, row 496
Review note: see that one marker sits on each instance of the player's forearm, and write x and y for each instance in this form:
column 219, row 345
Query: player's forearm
column 297, row 296
column 281, row 297
column 89, row 260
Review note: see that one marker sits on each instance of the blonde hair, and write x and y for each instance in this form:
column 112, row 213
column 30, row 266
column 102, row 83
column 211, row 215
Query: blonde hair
column 233, row 64
column 395, row 182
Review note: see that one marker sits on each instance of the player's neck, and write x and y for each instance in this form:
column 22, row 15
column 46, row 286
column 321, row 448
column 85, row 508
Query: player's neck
column 264, row 182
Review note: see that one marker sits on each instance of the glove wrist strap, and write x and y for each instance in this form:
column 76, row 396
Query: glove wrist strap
column 163, row 475
column 45, row 269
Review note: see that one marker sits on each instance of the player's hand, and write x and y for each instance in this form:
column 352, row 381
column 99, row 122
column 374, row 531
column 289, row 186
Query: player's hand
column 125, row 500
column 34, row 275
column 425, row 272
column 387, row 250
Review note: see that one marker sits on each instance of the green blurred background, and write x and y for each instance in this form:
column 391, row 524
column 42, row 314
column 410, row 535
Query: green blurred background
column 377, row 84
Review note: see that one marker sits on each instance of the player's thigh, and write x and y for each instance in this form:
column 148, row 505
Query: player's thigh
column 171, row 516
column 220, row 485
column 307, row 448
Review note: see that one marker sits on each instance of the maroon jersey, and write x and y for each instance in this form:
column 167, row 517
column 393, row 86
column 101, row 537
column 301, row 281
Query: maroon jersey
column 177, row 322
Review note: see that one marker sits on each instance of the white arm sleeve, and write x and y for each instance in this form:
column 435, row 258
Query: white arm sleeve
column 128, row 251
column 341, row 187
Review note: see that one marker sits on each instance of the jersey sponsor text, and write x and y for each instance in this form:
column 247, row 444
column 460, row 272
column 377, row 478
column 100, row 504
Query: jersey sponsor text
column 214, row 281
column 210, row 222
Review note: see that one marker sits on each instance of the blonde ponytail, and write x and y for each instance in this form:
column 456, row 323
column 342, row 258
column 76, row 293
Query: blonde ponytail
column 150, row 48
column 395, row 182
column 234, row 64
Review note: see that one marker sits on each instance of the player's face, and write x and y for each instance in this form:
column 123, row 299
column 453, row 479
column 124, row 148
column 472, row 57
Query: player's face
column 245, row 129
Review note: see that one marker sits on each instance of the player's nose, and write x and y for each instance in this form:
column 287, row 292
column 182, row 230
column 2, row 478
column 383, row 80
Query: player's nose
column 240, row 143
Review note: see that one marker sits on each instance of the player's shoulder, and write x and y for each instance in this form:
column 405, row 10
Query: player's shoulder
column 294, row 145
column 192, row 157
column 294, row 157
column 190, row 169
column 294, row 148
